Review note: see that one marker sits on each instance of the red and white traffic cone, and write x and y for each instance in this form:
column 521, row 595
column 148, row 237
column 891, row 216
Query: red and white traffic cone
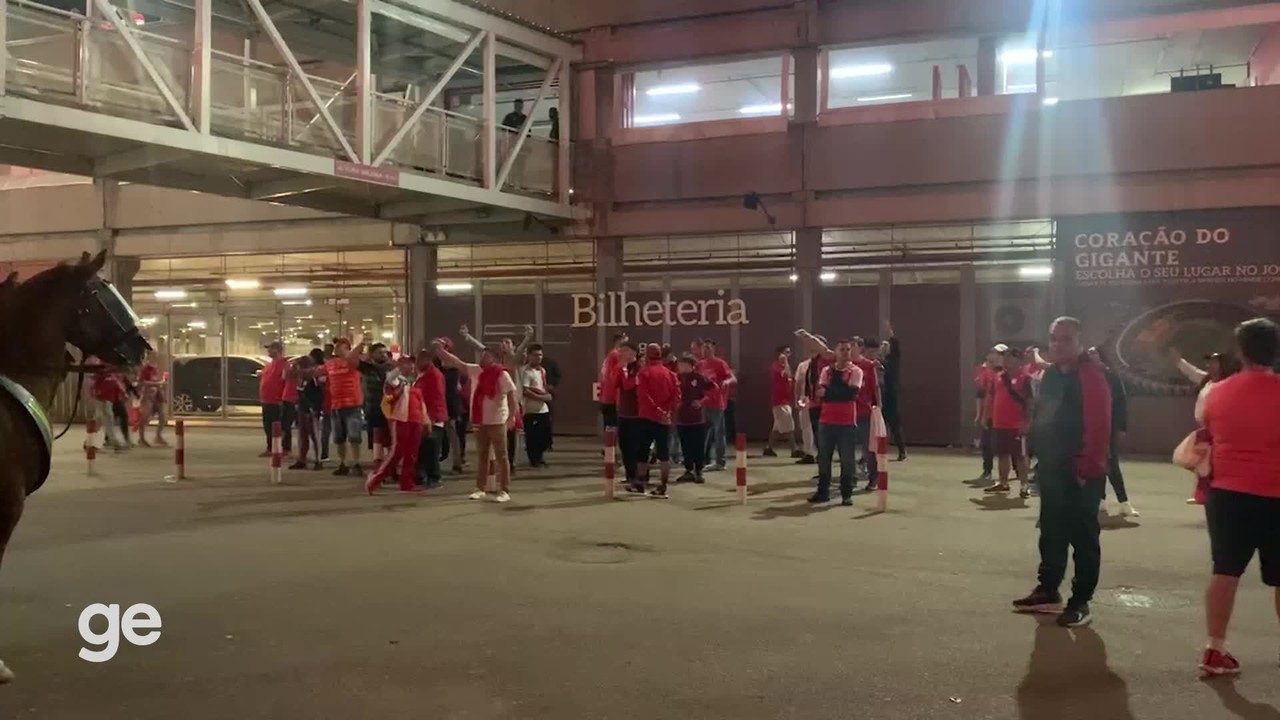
column 740, row 447
column 90, row 445
column 180, row 450
column 610, row 460
column 276, row 452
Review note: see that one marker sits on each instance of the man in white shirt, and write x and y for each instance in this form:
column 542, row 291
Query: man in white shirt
column 493, row 414
column 537, row 414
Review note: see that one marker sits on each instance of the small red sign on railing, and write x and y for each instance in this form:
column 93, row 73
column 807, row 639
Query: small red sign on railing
column 367, row 173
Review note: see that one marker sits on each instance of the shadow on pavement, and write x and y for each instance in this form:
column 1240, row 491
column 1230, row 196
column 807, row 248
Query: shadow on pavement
column 1068, row 678
column 1000, row 502
column 1239, row 705
column 1118, row 523
column 793, row 511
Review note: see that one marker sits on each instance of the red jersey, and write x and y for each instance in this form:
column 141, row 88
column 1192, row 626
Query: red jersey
column 657, row 393
column 1243, row 417
column 290, row 394
column 344, row 383
column 430, row 385
column 107, row 386
column 692, row 388
column 609, row 379
column 779, row 385
column 841, row 388
column 717, row 371
column 869, row 394
column 1010, row 412
column 271, row 381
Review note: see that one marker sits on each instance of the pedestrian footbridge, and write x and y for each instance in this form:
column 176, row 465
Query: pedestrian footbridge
column 390, row 109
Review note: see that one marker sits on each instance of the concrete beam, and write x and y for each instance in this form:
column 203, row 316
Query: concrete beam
column 288, row 187
column 137, row 159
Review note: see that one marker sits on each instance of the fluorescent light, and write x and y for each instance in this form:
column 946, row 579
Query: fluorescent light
column 197, row 324
column 868, row 70
column 827, row 276
column 296, row 302
column 681, row 89
column 388, row 335
column 879, row 98
column 186, row 305
column 243, row 283
column 453, row 286
column 170, row 294
column 1035, row 271
column 765, row 109
column 793, row 277
column 1019, row 56
column 290, row 291
column 655, row 119
column 147, row 321
column 1050, row 101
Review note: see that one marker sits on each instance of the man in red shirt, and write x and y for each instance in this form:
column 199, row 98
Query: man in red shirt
column 838, row 387
column 719, row 377
column 984, row 379
column 107, row 390
column 609, row 384
column 657, row 398
column 1242, row 418
column 780, row 388
column 430, row 385
column 271, row 390
column 811, row 400
column 1011, row 404
column 691, row 423
column 341, row 375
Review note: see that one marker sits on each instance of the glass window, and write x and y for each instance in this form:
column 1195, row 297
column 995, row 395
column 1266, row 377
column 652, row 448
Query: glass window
column 885, row 74
column 698, row 93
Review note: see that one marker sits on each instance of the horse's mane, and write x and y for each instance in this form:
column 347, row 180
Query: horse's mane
column 26, row 309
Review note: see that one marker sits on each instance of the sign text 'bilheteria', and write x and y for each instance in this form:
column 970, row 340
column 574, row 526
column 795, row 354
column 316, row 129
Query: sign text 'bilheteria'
column 613, row 309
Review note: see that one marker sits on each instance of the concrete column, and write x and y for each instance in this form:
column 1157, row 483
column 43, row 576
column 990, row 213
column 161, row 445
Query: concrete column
column 609, row 278
column 805, row 61
column 735, row 331
column 968, row 351
column 987, row 65
column 123, row 270
column 886, row 299
column 423, row 270
column 808, row 267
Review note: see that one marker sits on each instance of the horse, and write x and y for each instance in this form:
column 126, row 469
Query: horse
column 67, row 304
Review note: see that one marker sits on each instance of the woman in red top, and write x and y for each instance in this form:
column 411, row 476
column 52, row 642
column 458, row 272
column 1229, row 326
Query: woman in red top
column 1242, row 416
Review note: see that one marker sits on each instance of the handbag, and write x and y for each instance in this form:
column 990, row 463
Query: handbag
column 1190, row 454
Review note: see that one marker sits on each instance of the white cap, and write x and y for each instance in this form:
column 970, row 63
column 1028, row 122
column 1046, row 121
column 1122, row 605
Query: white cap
column 1001, row 348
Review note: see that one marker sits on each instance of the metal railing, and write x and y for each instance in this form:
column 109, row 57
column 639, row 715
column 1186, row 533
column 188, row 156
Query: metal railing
column 67, row 58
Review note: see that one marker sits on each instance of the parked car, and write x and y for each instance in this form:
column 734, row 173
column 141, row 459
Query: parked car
column 197, row 382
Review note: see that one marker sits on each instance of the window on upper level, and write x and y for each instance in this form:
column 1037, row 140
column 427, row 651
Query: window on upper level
column 905, row 72
column 698, row 93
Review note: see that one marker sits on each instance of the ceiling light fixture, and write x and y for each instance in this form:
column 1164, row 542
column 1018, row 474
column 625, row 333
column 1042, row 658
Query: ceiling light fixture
column 170, row 294
column 868, row 70
column 764, row 109
column 290, row 291
column 881, row 98
column 243, row 283
column 1050, row 101
column 453, row 287
column 680, row 89
column 1035, row 271
column 827, row 276
column 656, row 119
column 1020, row 56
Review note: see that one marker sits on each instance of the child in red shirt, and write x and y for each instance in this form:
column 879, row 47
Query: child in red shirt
column 1010, row 407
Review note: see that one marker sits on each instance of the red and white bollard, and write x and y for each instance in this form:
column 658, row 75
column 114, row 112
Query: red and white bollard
column 610, row 460
column 277, row 452
column 880, row 439
column 90, row 444
column 179, row 450
column 740, row 448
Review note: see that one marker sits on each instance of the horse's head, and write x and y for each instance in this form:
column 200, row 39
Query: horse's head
column 87, row 309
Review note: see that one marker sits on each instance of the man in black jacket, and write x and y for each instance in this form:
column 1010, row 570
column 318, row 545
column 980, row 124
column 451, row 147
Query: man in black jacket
column 1119, row 427
column 891, row 357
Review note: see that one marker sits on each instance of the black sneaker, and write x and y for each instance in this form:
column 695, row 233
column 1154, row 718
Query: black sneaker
column 317, row 466
column 985, row 477
column 807, row 460
column 769, row 452
column 300, row 465
column 659, row 492
column 699, row 480
column 1039, row 601
column 797, row 454
column 357, row 470
column 718, row 467
column 902, row 457
column 819, row 498
column 846, row 501
column 637, row 488
column 870, row 487
column 1024, row 492
column 342, row 471
column 687, row 477
column 1075, row 616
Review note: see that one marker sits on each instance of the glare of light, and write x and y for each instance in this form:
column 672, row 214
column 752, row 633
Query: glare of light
column 868, row 70
column 655, row 119
column 290, row 291
column 794, row 277
column 765, row 109
column 388, row 335
column 1050, row 101
column 1035, row 271
column 147, row 321
column 197, row 324
column 186, row 305
column 296, row 302
column 453, row 286
column 1019, row 56
column 879, row 98
column 170, row 294
column 681, row 89
column 1022, row 87
column 827, row 276
column 243, row 283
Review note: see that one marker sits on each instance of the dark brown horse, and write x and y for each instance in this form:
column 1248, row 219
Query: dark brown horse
column 64, row 305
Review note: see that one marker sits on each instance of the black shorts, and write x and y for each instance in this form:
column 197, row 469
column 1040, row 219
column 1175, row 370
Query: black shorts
column 654, row 436
column 609, row 415
column 1007, row 443
column 1239, row 526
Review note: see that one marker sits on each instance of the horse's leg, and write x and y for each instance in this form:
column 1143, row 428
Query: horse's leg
column 13, row 495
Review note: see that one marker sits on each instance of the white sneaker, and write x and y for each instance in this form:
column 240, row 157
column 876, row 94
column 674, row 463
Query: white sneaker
column 477, row 495
column 503, row 497
column 1127, row 510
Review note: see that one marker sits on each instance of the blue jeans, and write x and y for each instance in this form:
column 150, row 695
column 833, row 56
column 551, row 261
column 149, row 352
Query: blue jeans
column 715, row 436
column 832, row 439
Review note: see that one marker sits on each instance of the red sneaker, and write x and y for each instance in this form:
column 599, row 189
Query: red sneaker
column 1215, row 663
